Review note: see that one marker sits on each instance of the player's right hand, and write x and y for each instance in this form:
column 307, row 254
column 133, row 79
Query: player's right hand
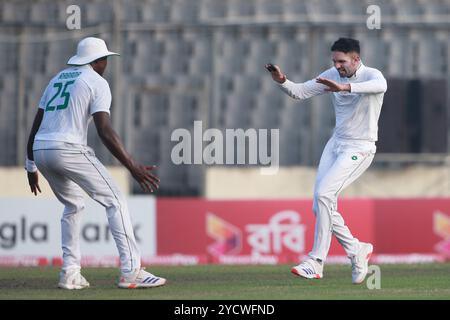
column 146, row 180
column 277, row 75
column 33, row 182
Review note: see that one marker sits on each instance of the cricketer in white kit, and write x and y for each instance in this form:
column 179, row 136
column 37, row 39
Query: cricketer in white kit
column 57, row 146
column 357, row 95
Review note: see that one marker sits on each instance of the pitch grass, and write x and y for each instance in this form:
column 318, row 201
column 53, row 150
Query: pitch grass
column 214, row 282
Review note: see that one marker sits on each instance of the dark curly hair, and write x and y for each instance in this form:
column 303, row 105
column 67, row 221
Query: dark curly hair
column 346, row 45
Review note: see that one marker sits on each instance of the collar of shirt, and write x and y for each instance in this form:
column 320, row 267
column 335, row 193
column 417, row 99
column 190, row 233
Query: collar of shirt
column 358, row 72
column 85, row 66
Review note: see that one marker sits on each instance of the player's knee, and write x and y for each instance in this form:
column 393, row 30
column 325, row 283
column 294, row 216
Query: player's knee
column 320, row 194
column 117, row 203
column 114, row 207
column 73, row 208
column 323, row 196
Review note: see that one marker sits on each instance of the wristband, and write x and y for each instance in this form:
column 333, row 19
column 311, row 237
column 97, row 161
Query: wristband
column 30, row 166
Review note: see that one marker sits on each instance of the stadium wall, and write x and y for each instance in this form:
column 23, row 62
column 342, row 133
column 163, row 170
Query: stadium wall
column 15, row 183
column 408, row 181
column 298, row 182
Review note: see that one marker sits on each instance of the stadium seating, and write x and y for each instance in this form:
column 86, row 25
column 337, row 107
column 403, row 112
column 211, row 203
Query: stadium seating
column 187, row 60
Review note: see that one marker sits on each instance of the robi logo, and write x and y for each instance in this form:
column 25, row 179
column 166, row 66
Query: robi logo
column 281, row 234
column 228, row 238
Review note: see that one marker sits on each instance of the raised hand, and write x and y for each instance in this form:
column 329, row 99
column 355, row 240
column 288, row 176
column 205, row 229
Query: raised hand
column 276, row 73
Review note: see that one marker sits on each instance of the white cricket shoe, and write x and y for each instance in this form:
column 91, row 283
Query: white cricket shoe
column 140, row 279
column 309, row 269
column 72, row 279
column 360, row 263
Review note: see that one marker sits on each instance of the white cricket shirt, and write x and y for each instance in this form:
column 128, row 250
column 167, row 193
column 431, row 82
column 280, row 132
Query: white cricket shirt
column 69, row 101
column 357, row 112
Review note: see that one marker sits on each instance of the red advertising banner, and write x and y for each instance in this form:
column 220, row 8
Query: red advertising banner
column 413, row 225
column 284, row 230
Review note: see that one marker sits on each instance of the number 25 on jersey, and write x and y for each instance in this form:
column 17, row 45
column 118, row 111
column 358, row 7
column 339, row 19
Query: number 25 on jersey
column 62, row 93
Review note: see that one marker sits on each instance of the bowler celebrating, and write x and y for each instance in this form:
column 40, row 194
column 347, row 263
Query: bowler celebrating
column 357, row 94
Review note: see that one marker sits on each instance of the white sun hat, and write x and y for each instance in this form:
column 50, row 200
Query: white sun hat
column 88, row 50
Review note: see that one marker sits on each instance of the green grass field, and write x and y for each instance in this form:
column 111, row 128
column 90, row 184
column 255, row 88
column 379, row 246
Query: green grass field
column 213, row 282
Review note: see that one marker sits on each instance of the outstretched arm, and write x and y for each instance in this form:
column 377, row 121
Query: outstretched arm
column 30, row 166
column 375, row 84
column 111, row 140
column 301, row 91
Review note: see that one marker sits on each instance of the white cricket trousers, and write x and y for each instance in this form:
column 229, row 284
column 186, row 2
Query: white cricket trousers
column 69, row 169
column 342, row 162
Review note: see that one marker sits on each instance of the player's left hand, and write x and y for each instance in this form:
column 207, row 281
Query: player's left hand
column 333, row 86
column 33, row 182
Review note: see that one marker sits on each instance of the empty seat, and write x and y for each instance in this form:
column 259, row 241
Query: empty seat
column 435, row 7
column 239, row 8
column 265, row 8
column 194, row 83
column 323, row 8
column 201, row 57
column 36, row 57
column 268, row 112
column 431, row 54
column 295, row 10
column 46, row 12
column 133, row 11
column 246, row 84
column 145, row 145
column 184, row 11
column 239, row 110
column 156, row 11
column 262, row 52
column 292, row 52
column 212, row 9
column 98, row 12
column 16, row 12
column 58, row 53
column 413, row 10
column 173, row 177
column 195, row 179
column 8, row 104
column 183, row 110
column 9, row 61
column 290, row 147
column 227, row 61
column 387, row 7
column 396, row 45
column 352, row 8
column 296, row 113
column 149, row 55
column 151, row 110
